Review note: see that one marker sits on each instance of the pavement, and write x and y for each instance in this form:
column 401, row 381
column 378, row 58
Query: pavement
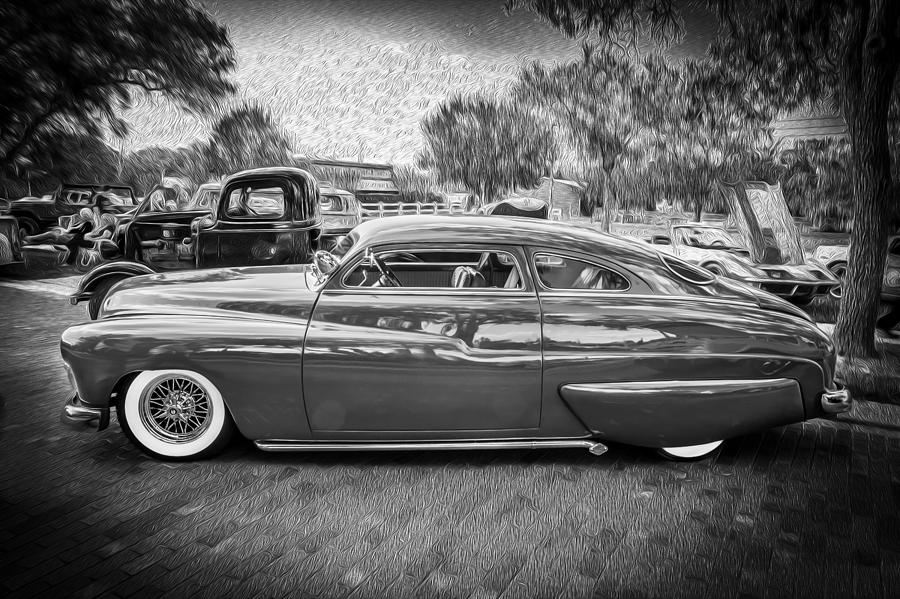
column 808, row 510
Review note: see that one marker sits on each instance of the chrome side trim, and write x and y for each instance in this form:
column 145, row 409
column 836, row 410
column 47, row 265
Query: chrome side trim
column 693, row 386
column 286, row 445
column 835, row 402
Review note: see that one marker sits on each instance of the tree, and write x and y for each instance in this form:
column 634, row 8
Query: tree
column 793, row 52
column 73, row 67
column 247, row 137
column 709, row 124
column 489, row 146
column 604, row 103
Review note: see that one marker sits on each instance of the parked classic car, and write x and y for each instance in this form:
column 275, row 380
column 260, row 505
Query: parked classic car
column 10, row 243
column 835, row 258
column 716, row 250
column 517, row 206
column 340, row 214
column 37, row 214
column 450, row 332
column 263, row 216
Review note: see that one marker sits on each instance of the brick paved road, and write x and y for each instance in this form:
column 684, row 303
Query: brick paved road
column 808, row 510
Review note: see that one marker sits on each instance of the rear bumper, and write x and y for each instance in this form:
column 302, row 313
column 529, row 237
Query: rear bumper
column 76, row 414
column 836, row 402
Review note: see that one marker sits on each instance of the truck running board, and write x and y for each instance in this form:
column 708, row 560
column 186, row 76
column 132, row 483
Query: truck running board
column 285, row 445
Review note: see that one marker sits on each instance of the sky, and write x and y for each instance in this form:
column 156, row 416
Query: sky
column 353, row 78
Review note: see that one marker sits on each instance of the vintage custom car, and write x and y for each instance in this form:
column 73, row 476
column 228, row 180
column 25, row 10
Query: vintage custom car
column 37, row 214
column 517, row 206
column 773, row 243
column 450, row 332
column 263, row 216
column 340, row 214
column 835, row 258
column 716, row 250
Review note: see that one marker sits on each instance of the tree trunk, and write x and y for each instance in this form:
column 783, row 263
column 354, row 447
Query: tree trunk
column 604, row 218
column 698, row 210
column 869, row 70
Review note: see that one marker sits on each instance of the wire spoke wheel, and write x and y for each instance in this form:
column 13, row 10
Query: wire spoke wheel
column 176, row 409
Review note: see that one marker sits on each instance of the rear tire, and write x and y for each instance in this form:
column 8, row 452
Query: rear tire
column 27, row 226
column 99, row 294
column 689, row 453
column 175, row 415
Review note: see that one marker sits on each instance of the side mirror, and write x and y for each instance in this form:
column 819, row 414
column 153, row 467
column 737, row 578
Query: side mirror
column 325, row 262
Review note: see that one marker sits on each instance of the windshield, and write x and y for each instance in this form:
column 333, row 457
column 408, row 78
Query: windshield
column 705, row 238
column 204, row 199
column 333, row 204
column 166, row 199
column 343, row 245
column 110, row 201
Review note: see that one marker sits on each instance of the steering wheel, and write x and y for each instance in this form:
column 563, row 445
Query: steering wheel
column 386, row 273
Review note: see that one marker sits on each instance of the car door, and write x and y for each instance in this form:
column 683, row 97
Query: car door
column 428, row 359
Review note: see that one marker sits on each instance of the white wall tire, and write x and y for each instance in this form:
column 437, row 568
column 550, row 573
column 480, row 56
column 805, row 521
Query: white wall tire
column 688, row 453
column 175, row 415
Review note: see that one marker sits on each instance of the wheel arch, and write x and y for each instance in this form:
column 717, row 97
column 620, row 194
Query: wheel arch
column 248, row 360
column 103, row 272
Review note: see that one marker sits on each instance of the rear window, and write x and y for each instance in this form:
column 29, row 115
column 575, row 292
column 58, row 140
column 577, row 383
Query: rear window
column 687, row 272
column 563, row 272
column 256, row 203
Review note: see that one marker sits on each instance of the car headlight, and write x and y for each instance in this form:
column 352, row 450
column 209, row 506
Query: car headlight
column 892, row 277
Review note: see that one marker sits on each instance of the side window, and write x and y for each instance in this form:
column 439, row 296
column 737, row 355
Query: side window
column 256, row 202
column 439, row 269
column 563, row 272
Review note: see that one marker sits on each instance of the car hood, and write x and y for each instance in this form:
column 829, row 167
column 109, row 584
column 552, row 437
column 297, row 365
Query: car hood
column 258, row 291
column 338, row 222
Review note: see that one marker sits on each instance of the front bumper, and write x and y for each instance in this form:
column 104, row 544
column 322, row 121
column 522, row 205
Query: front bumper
column 76, row 414
column 836, row 402
column 792, row 288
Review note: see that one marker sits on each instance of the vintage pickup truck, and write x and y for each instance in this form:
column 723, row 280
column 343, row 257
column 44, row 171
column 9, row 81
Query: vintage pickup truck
column 263, row 216
column 38, row 214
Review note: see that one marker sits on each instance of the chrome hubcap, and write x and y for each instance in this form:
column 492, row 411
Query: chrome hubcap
column 176, row 409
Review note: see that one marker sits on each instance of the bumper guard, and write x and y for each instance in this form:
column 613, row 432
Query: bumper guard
column 76, row 414
column 836, row 402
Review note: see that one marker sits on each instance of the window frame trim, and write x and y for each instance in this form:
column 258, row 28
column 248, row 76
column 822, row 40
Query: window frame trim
column 535, row 252
column 339, row 283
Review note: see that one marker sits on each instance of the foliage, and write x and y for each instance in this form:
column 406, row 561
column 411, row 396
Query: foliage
column 72, row 67
column 605, row 105
column 488, row 146
column 791, row 53
column 247, row 136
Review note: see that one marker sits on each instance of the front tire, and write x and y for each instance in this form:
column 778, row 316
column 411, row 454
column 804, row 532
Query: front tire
column 689, row 453
column 175, row 415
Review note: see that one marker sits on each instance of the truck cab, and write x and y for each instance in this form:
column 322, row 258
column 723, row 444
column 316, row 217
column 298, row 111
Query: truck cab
column 263, row 217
